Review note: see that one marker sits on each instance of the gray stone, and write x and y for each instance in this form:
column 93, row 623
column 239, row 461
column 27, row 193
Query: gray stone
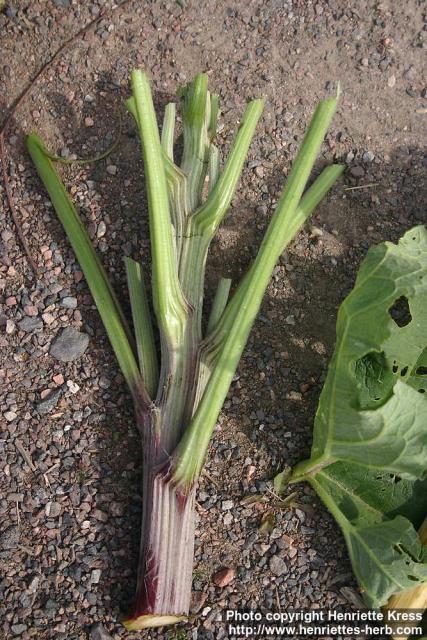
column 102, row 228
column 69, row 302
column 53, row 509
column 228, row 519
column 9, row 538
column 47, row 404
column 11, row 11
column 368, row 156
column 33, row 584
column 278, row 566
column 98, row 632
column 69, row 345
column 104, row 382
column 51, row 608
column 95, row 576
column 19, row 628
column 24, row 600
column 357, row 172
column 28, row 324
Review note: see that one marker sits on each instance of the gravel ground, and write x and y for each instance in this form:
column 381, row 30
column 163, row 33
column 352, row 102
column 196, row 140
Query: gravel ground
column 70, row 504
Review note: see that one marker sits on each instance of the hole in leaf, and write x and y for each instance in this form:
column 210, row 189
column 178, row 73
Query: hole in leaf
column 395, row 368
column 421, row 371
column 400, row 312
column 404, row 372
column 421, row 390
column 414, row 578
column 402, row 549
column 374, row 379
column 397, row 479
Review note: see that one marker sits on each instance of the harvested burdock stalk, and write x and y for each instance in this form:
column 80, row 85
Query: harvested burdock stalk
column 177, row 401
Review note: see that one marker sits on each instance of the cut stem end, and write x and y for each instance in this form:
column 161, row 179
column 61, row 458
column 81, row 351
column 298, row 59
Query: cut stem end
column 150, row 621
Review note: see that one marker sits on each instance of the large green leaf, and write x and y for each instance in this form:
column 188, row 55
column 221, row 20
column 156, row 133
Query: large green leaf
column 372, row 407
column 377, row 514
column 369, row 454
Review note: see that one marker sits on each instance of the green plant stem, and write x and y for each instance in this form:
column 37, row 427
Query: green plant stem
column 177, row 190
column 168, row 129
column 196, row 116
column 168, row 301
column 202, row 225
column 142, row 325
column 95, row 275
column 191, row 452
column 219, row 302
column 313, row 196
column 213, row 167
column 208, row 218
column 211, row 347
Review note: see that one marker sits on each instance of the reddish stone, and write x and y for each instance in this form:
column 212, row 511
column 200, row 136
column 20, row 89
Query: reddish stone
column 30, row 310
column 223, row 577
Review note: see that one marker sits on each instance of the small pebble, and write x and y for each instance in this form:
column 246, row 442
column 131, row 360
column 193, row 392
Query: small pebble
column 53, row 509
column 223, row 577
column 95, row 576
column 73, row 386
column 278, row 566
column 368, row 156
column 316, row 232
column 9, row 539
column 6, row 235
column 228, row 519
column 47, row 404
column 98, row 632
column 69, row 302
column 357, row 172
column 30, row 310
column 11, row 11
column 102, row 228
column 69, row 345
column 19, row 628
column 30, row 324
column 10, row 326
